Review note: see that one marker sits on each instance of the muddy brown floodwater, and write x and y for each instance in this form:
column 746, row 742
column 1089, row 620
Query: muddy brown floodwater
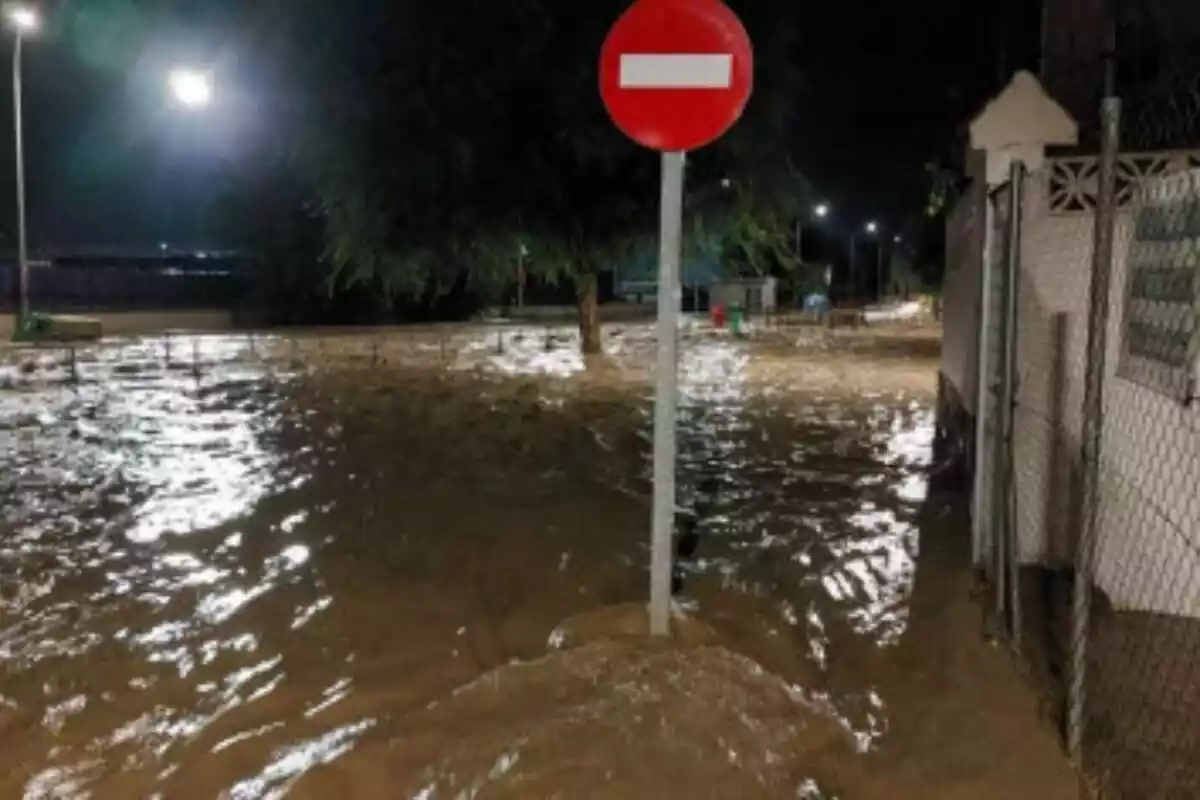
column 421, row 577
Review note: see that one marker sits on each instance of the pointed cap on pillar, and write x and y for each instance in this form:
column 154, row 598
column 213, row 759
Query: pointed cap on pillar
column 1020, row 123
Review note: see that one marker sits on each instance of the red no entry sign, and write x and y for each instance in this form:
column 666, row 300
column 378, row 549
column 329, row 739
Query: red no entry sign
column 676, row 74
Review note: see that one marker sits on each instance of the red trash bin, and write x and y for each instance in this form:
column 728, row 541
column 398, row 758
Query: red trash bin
column 718, row 316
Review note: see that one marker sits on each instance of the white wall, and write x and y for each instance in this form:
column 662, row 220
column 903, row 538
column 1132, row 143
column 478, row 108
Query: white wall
column 1149, row 556
column 960, row 294
column 1149, row 543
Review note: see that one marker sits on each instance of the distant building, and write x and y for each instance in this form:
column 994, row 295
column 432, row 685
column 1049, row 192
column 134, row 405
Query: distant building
column 755, row 295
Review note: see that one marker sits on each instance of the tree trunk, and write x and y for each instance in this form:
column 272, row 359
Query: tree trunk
column 589, row 314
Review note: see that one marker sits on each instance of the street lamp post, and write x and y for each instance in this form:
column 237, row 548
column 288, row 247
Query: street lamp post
column 879, row 278
column 820, row 211
column 871, row 228
column 879, row 271
column 191, row 90
column 23, row 20
column 853, row 248
column 522, row 252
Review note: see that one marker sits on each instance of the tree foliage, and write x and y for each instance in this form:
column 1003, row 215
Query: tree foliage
column 439, row 137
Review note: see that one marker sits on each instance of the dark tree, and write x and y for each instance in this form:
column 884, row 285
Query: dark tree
column 438, row 137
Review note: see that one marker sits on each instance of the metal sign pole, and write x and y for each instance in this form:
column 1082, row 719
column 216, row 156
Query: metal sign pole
column 663, row 520
column 19, row 139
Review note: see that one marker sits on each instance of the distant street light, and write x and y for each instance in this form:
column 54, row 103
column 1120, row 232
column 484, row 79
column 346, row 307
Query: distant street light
column 191, row 88
column 872, row 228
column 820, row 211
column 24, row 20
column 897, row 239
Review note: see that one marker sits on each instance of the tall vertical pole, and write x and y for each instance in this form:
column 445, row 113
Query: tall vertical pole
column 663, row 520
column 521, row 277
column 853, row 247
column 799, row 260
column 1093, row 426
column 981, row 533
column 19, row 138
column 879, row 272
column 1008, row 401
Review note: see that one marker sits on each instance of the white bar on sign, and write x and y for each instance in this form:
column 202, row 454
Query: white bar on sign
column 676, row 71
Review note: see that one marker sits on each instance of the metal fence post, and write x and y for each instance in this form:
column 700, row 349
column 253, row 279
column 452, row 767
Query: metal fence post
column 1097, row 341
column 1008, row 401
column 983, row 371
column 998, row 453
column 666, row 393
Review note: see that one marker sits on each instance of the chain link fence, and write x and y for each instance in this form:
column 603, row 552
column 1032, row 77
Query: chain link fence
column 1086, row 321
column 1136, row 692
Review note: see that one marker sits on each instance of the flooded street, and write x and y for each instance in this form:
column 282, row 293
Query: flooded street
column 404, row 566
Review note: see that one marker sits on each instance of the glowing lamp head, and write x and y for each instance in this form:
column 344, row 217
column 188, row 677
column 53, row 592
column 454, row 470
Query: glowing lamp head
column 191, row 88
column 24, row 19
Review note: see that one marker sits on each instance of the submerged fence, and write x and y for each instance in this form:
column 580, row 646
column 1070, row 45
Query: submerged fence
column 1078, row 362
column 513, row 349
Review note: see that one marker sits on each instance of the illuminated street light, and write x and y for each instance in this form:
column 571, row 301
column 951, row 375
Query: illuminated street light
column 872, row 228
column 897, row 239
column 820, row 211
column 191, row 88
column 23, row 19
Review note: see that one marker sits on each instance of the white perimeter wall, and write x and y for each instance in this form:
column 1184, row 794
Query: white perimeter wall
column 960, row 294
column 1148, row 555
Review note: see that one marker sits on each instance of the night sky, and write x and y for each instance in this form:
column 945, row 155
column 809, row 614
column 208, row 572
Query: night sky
column 111, row 162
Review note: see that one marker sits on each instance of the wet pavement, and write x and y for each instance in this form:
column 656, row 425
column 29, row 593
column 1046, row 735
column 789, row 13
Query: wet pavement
column 242, row 567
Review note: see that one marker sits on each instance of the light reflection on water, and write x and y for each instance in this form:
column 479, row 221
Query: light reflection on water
column 816, row 504
column 163, row 534
column 120, row 496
